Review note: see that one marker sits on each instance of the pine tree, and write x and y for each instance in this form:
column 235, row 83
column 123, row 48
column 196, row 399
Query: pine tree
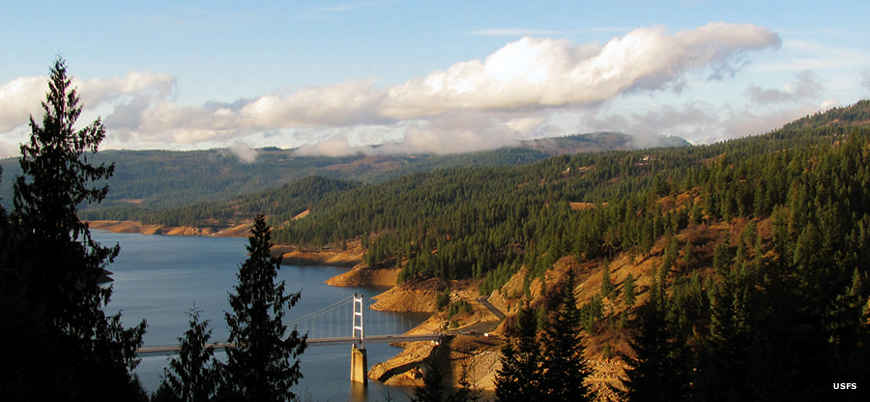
column 192, row 376
column 563, row 366
column 657, row 371
column 606, row 285
column 689, row 258
column 519, row 378
column 58, row 268
column 628, row 291
column 724, row 368
column 722, row 257
column 258, row 366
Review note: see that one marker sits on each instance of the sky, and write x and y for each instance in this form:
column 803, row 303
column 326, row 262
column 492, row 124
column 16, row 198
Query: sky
column 337, row 78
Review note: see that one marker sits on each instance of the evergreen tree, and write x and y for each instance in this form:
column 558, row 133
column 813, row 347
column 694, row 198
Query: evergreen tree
column 723, row 375
column 689, row 258
column 657, row 371
column 606, row 285
column 258, row 366
column 722, row 256
column 563, row 366
column 192, row 376
column 66, row 348
column 628, row 291
column 519, row 378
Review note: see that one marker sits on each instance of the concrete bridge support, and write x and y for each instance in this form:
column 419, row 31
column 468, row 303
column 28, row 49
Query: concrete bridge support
column 358, row 365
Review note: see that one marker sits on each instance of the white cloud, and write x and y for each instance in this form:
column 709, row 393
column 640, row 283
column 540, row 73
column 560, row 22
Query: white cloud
column 538, row 73
column 21, row 97
column 692, row 121
column 140, row 84
column 337, row 105
column 244, row 152
column 525, row 125
column 805, row 86
column 470, row 105
column 699, row 122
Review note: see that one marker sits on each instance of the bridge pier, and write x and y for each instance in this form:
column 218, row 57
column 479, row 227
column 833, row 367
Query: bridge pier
column 358, row 365
column 358, row 360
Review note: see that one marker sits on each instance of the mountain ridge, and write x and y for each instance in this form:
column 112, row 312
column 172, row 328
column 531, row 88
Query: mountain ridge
column 158, row 179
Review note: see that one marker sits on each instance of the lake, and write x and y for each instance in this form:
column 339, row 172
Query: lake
column 161, row 278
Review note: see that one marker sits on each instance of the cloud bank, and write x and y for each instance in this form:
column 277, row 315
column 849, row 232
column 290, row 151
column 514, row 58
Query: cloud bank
column 805, row 86
column 474, row 104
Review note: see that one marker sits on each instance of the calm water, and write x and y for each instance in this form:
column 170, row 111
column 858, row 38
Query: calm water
column 160, row 278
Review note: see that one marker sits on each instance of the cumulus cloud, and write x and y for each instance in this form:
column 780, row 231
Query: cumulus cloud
column 21, row 97
column 536, row 73
column 805, row 86
column 474, row 104
column 336, row 105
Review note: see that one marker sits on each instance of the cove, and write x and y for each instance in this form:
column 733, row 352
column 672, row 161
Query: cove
column 160, row 278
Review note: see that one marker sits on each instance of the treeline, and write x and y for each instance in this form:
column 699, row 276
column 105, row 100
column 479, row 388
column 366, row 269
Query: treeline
column 485, row 222
column 784, row 316
column 160, row 179
column 281, row 204
column 198, row 187
column 776, row 311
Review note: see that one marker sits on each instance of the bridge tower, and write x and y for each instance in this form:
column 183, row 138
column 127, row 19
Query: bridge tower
column 358, row 363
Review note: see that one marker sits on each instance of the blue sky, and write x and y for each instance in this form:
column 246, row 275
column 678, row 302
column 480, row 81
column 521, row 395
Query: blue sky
column 333, row 77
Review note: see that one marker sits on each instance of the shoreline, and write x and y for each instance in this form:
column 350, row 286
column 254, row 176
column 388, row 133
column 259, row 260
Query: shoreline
column 290, row 254
column 404, row 367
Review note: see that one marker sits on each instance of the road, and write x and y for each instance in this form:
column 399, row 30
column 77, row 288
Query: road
column 495, row 311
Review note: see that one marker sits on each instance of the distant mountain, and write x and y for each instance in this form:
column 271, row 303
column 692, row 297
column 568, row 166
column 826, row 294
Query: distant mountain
column 600, row 141
column 166, row 179
column 281, row 203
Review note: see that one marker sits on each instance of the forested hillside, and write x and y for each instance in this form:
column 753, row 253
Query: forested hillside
column 486, row 217
column 281, row 204
column 156, row 180
column 764, row 264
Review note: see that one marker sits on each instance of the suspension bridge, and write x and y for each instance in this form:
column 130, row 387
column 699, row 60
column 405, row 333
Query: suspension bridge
column 330, row 326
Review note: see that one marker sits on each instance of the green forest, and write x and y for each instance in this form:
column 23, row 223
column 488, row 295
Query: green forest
column 725, row 314
column 156, row 180
column 775, row 311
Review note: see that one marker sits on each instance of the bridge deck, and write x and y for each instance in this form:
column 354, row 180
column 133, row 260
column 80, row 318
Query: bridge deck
column 171, row 349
